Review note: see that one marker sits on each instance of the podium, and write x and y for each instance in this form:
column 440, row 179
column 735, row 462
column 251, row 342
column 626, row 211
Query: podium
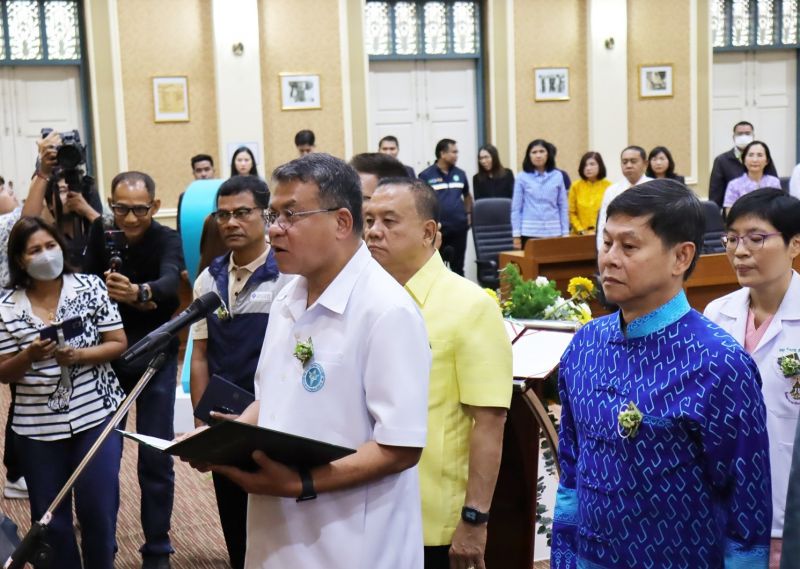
column 537, row 346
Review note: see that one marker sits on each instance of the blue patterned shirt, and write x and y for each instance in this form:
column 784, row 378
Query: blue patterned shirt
column 692, row 487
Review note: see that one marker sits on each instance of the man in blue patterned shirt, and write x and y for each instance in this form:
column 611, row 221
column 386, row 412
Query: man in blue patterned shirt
column 663, row 443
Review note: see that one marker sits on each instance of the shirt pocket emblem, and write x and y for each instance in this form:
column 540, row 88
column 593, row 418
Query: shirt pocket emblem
column 314, row 378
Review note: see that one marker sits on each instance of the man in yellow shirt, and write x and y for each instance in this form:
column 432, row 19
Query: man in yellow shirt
column 470, row 382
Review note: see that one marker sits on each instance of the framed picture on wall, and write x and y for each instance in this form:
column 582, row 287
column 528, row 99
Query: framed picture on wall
column 655, row 81
column 300, row 91
column 551, row 83
column 171, row 99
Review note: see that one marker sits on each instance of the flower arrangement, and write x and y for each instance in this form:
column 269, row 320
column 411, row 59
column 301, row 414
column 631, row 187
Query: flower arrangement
column 628, row 420
column 540, row 299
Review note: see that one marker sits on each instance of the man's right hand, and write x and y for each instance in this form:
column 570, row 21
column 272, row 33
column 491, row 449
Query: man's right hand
column 517, row 243
column 47, row 152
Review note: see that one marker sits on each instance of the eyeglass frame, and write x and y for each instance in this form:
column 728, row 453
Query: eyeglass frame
column 744, row 239
column 272, row 217
column 131, row 208
column 231, row 213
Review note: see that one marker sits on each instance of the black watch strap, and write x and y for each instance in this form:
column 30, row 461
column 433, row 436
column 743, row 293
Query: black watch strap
column 473, row 516
column 308, row 492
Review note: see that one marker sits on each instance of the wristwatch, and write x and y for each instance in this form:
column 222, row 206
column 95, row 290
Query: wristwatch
column 145, row 293
column 308, row 492
column 473, row 516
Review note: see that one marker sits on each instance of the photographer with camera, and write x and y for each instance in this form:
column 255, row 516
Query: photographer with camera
column 10, row 212
column 144, row 278
column 71, row 197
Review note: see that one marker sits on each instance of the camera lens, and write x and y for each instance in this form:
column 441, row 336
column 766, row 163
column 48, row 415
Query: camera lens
column 68, row 157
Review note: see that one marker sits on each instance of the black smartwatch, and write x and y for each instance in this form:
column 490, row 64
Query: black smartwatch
column 473, row 516
column 308, row 492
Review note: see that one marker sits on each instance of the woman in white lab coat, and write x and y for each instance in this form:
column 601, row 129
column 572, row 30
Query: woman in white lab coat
column 762, row 241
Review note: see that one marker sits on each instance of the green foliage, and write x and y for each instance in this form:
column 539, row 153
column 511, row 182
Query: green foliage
column 528, row 298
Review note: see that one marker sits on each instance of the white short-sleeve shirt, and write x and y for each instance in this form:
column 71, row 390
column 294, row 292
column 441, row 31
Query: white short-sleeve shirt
column 372, row 347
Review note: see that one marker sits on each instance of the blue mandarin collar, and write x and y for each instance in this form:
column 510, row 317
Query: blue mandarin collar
column 660, row 318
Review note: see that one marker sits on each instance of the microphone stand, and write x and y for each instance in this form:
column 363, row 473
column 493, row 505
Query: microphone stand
column 33, row 548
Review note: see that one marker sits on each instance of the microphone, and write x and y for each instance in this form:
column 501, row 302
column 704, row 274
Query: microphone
column 164, row 333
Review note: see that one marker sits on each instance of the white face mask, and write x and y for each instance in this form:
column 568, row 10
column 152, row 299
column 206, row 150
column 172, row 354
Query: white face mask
column 742, row 140
column 47, row 265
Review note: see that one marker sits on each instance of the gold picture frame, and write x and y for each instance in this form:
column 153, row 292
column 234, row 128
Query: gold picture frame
column 551, row 84
column 171, row 98
column 300, row 91
column 655, row 81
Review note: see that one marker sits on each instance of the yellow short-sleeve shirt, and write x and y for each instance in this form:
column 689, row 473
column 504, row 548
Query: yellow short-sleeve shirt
column 471, row 366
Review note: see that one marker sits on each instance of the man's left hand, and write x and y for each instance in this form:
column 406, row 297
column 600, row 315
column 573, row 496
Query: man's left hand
column 469, row 546
column 121, row 289
column 271, row 479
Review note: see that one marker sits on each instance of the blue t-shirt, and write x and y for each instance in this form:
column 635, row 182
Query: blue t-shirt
column 692, row 487
column 450, row 188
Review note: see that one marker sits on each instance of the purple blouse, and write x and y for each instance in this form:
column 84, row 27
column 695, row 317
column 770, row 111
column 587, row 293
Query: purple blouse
column 744, row 185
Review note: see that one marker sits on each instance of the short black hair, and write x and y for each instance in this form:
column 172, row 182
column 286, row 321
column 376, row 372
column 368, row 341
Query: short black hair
column 131, row 178
column 601, row 166
column 746, row 149
column 638, row 149
column 389, row 138
column 18, row 277
column 425, row 200
column 743, row 123
column 241, row 184
column 670, row 162
column 304, row 137
column 378, row 164
column 674, row 213
column 781, row 210
column 201, row 158
column 253, row 169
column 443, row 146
column 549, row 166
column 338, row 183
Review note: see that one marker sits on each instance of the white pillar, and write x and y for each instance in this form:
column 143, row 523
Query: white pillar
column 238, row 80
column 607, row 65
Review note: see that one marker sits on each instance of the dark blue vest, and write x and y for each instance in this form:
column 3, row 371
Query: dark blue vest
column 234, row 342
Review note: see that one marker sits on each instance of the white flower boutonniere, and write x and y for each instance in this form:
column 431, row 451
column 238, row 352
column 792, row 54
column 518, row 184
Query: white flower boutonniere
column 304, row 351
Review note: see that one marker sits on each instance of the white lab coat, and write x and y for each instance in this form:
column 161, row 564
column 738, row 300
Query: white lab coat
column 730, row 312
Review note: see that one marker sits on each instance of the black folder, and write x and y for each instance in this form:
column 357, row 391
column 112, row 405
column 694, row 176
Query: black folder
column 224, row 397
column 233, row 443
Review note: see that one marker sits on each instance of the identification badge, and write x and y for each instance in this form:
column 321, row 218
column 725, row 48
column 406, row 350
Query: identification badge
column 789, row 364
column 456, row 178
column 261, row 296
column 313, row 378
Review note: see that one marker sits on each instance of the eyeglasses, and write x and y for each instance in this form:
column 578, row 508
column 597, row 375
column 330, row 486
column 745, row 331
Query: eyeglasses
column 239, row 214
column 751, row 241
column 124, row 210
column 288, row 218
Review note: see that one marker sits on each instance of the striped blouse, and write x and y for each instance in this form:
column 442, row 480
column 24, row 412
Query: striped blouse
column 96, row 393
column 539, row 205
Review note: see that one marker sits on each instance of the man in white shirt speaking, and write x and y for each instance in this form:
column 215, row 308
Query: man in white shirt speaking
column 369, row 354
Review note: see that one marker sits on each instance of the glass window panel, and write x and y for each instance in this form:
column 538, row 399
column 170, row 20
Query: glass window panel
column 23, row 29
column 2, row 36
column 377, row 28
column 61, row 30
column 405, row 28
column 435, row 28
column 765, row 31
column 789, row 22
column 741, row 23
column 464, row 28
column 718, row 23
